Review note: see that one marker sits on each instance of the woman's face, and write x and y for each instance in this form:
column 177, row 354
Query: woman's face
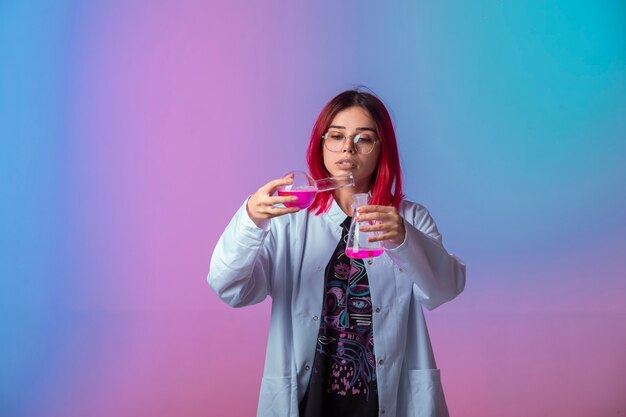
column 350, row 122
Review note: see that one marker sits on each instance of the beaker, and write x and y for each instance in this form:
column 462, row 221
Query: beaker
column 306, row 188
column 357, row 246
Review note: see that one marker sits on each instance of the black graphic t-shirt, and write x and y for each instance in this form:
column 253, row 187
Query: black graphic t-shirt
column 343, row 379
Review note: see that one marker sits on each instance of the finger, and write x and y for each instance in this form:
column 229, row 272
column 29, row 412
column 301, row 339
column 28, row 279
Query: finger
column 271, row 186
column 381, row 237
column 273, row 211
column 373, row 216
column 276, row 211
column 373, row 226
column 272, row 200
column 371, row 208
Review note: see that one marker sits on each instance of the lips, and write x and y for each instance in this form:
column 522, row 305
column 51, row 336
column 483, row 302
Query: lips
column 346, row 163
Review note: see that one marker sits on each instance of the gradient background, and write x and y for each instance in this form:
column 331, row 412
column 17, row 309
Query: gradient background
column 131, row 131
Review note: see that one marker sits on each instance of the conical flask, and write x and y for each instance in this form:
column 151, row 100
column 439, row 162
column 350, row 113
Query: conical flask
column 357, row 246
column 306, row 188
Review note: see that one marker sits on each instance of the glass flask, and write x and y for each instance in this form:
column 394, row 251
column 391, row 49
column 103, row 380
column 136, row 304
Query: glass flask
column 357, row 246
column 306, row 188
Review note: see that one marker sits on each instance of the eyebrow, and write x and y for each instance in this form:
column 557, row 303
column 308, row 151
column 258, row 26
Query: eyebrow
column 360, row 129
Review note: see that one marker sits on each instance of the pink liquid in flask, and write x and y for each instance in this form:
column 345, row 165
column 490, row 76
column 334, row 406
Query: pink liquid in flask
column 305, row 197
column 363, row 253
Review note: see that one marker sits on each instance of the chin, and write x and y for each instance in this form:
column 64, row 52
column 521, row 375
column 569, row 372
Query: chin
column 347, row 171
column 337, row 171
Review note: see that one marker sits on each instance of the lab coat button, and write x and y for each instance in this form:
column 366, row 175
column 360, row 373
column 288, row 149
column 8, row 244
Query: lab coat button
column 307, row 368
column 369, row 262
column 382, row 411
column 401, row 270
column 380, row 362
column 319, row 268
column 377, row 309
column 315, row 318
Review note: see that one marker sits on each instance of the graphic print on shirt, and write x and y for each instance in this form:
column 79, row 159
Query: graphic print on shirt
column 345, row 337
column 345, row 334
column 343, row 378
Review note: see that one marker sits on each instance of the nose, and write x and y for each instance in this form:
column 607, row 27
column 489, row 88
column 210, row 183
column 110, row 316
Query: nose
column 348, row 145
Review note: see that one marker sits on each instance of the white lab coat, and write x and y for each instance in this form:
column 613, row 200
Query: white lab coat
column 286, row 259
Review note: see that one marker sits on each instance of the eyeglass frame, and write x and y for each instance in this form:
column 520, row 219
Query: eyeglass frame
column 355, row 140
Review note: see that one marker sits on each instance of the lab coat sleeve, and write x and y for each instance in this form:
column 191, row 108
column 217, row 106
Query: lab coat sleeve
column 437, row 275
column 240, row 270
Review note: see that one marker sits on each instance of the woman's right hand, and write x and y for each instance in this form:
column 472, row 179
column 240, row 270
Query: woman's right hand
column 261, row 205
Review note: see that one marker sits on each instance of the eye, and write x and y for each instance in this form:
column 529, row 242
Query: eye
column 335, row 136
column 360, row 305
column 365, row 139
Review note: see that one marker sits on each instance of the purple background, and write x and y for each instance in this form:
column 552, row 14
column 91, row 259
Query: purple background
column 131, row 131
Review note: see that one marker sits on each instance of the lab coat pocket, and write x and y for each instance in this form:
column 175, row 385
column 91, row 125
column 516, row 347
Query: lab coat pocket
column 275, row 397
column 427, row 394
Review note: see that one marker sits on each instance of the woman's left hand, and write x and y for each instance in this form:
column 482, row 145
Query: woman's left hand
column 388, row 222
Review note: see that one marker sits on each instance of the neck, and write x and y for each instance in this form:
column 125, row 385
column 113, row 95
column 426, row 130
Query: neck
column 343, row 196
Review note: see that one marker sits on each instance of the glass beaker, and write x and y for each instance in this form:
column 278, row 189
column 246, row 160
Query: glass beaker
column 357, row 246
column 306, row 188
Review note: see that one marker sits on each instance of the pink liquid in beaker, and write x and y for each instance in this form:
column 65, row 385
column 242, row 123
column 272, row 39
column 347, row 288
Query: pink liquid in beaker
column 363, row 253
column 305, row 197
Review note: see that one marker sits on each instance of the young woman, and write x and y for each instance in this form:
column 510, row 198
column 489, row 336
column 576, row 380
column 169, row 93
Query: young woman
column 347, row 336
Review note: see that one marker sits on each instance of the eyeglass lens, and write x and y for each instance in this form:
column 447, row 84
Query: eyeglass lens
column 363, row 142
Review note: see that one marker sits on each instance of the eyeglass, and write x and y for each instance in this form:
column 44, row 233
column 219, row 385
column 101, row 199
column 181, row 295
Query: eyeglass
column 364, row 142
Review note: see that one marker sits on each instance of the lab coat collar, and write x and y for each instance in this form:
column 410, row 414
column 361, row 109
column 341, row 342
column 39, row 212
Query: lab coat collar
column 335, row 214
